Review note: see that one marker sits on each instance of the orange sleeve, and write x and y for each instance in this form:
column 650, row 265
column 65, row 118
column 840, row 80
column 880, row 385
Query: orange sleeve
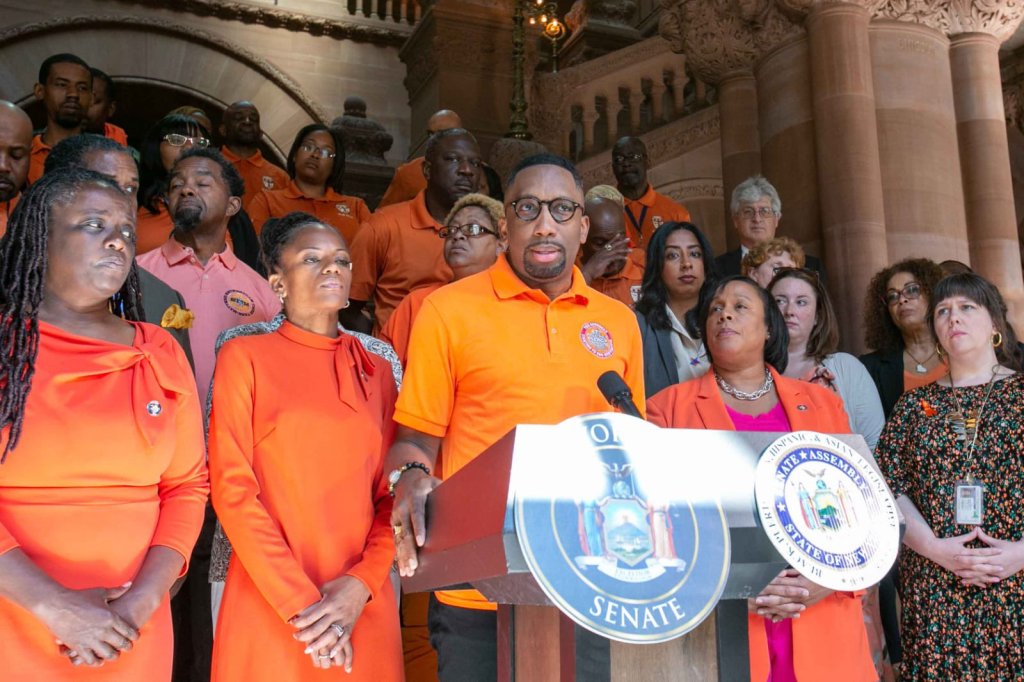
column 379, row 553
column 368, row 251
column 396, row 330
column 405, row 184
column 428, row 387
column 253, row 532
column 259, row 210
column 363, row 211
column 185, row 484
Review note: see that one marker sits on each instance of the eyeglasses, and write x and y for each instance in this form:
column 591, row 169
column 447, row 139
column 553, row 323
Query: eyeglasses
column 176, row 140
column 764, row 213
column 910, row 292
column 321, row 152
column 467, row 230
column 528, row 208
column 622, row 158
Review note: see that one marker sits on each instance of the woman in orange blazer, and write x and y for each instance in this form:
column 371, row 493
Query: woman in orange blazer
column 300, row 423
column 798, row 630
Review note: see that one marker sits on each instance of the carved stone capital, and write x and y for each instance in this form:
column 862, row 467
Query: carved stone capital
column 999, row 18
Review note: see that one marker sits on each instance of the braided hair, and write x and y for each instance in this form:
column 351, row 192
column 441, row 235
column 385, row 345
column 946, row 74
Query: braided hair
column 23, row 251
column 278, row 232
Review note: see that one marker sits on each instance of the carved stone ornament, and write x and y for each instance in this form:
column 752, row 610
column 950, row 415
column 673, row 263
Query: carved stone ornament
column 394, row 34
column 366, row 140
column 997, row 17
column 802, row 7
column 606, row 11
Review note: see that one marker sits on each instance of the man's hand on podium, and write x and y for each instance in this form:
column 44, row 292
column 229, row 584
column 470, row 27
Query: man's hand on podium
column 408, row 515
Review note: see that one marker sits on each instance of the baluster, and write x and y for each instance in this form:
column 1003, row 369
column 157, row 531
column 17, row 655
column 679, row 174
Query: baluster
column 679, row 81
column 636, row 99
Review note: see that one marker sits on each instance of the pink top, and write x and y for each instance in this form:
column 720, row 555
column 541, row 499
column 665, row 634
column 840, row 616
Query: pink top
column 223, row 294
column 780, row 635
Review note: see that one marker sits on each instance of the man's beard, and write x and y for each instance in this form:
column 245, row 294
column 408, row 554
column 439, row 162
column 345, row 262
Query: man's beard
column 67, row 120
column 542, row 272
column 187, row 218
column 8, row 190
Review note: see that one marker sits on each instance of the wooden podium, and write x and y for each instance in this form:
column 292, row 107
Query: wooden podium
column 472, row 542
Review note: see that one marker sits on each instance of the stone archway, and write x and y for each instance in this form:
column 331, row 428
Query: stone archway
column 162, row 55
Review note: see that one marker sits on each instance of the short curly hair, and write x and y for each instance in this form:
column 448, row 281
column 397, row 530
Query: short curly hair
column 492, row 207
column 880, row 332
column 773, row 247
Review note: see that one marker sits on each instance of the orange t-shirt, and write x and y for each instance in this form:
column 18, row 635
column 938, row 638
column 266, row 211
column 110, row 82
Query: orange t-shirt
column 111, row 462
column 534, row 361
column 5, row 213
column 37, row 158
column 648, row 213
column 152, row 230
column 407, row 183
column 258, row 174
column 115, row 133
column 399, row 326
column 282, row 403
column 344, row 213
column 623, row 286
column 397, row 250
column 912, row 380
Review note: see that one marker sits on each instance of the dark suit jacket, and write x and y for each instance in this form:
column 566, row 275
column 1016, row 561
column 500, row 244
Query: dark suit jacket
column 886, row 369
column 729, row 264
column 158, row 297
column 659, row 359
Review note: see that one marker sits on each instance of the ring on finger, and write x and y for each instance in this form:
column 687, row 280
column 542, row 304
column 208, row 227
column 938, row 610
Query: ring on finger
column 397, row 529
column 339, row 629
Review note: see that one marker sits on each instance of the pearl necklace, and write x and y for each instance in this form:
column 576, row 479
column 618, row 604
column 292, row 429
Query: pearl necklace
column 743, row 395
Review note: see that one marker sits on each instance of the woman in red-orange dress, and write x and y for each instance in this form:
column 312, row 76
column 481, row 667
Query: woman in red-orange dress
column 103, row 481
column 300, row 423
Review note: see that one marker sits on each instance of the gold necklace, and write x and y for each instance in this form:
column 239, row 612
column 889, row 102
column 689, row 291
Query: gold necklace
column 920, row 368
column 965, row 424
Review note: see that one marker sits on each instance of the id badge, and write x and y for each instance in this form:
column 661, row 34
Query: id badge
column 969, row 502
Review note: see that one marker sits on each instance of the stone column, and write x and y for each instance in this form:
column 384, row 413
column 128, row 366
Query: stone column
column 984, row 155
column 924, row 202
column 849, row 167
column 741, row 139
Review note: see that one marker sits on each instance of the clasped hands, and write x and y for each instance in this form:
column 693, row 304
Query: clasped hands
column 325, row 628
column 787, row 596
column 978, row 566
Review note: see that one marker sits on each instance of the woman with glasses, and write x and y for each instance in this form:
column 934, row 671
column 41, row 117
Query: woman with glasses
column 300, row 423
column 679, row 261
column 316, row 165
column 904, row 352
column 472, row 242
column 767, row 258
column 813, row 345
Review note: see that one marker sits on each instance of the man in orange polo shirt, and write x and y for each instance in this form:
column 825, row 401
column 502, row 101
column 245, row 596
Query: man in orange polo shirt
column 409, row 180
column 646, row 210
column 609, row 265
column 102, row 109
column 65, row 89
column 15, row 146
column 241, row 131
column 522, row 342
column 398, row 249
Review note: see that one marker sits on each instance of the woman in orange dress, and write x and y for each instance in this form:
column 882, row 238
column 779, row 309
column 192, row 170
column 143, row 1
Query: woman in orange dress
column 103, row 480
column 300, row 423
column 797, row 630
column 316, row 165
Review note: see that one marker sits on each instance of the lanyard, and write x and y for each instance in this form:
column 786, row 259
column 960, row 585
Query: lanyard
column 638, row 225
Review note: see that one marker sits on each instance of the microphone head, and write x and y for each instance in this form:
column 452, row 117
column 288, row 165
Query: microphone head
column 612, row 386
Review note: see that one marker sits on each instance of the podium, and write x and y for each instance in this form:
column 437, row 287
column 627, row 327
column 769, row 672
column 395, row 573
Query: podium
column 472, row 542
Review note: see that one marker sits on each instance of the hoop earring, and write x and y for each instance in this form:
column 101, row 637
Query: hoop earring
column 347, row 304
column 997, row 339
column 941, row 353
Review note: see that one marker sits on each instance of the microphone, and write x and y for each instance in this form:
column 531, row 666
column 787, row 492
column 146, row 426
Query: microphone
column 617, row 393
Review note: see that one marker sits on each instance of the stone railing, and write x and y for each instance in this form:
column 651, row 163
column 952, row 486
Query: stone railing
column 580, row 111
column 402, row 11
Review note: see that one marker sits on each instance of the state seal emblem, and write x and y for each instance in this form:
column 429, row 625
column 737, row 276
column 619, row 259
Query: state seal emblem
column 618, row 542
column 597, row 339
column 827, row 510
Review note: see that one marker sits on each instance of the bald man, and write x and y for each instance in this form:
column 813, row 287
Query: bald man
column 241, row 131
column 15, row 152
column 608, row 263
column 409, row 180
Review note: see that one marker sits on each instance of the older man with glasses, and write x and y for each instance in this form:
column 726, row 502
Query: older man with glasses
column 756, row 211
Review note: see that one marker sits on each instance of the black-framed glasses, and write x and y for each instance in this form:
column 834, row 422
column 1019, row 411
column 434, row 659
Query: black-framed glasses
column 910, row 291
column 179, row 140
column 467, row 230
column 320, row 152
column 622, row 158
column 528, row 208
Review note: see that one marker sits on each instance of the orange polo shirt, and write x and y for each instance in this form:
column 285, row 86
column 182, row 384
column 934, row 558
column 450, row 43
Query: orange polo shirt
column 258, row 174
column 488, row 353
column 152, row 230
column 5, row 213
column 399, row 326
column 115, row 133
column 397, row 250
column 625, row 285
column 344, row 213
column 648, row 213
column 407, row 183
column 37, row 158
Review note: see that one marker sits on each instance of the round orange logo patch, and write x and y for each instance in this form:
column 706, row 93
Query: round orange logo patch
column 239, row 302
column 597, row 340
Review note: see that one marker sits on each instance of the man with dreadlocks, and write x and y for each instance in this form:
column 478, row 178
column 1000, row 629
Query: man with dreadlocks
column 102, row 475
